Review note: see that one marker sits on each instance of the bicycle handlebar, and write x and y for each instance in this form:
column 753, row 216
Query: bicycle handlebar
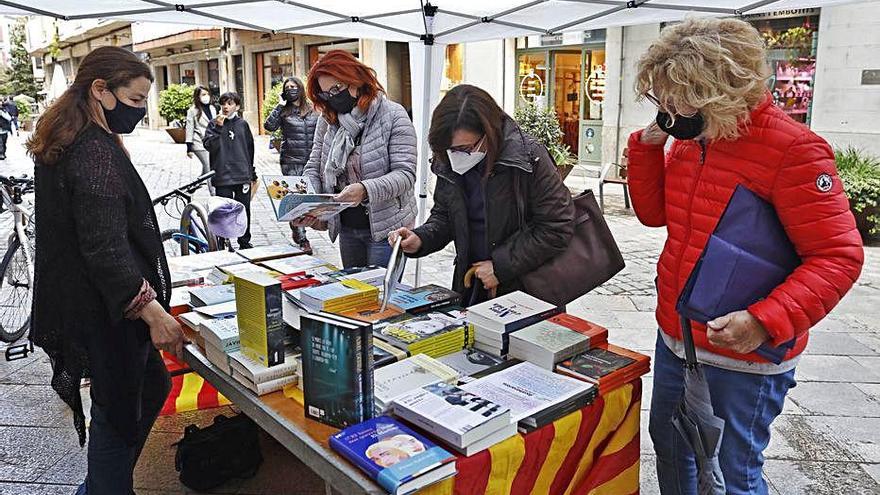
column 185, row 191
column 24, row 180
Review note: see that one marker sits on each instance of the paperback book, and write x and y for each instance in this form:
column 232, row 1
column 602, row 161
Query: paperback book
column 468, row 362
column 265, row 253
column 423, row 299
column 546, row 343
column 297, row 264
column 435, row 334
column 607, row 366
column 340, row 297
column 265, row 387
column 396, row 379
column 211, row 295
column 510, row 312
column 401, row 460
column 293, row 197
column 260, row 318
column 222, row 333
column 257, row 373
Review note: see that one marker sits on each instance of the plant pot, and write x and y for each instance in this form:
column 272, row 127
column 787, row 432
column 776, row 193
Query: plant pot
column 276, row 143
column 564, row 170
column 178, row 134
column 864, row 224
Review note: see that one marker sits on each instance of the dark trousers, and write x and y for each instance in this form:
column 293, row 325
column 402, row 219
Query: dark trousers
column 111, row 460
column 357, row 248
column 242, row 194
column 3, row 138
column 298, row 233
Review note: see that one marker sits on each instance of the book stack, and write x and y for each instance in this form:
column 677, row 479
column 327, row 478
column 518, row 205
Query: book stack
column 221, row 338
column 267, row 253
column 396, row 379
column 423, row 299
column 211, row 295
column 463, row 420
column 536, row 397
column 340, row 297
column 193, row 320
column 551, row 341
column 296, row 264
column 337, row 369
column 385, row 353
column 373, row 275
column 180, row 301
column 607, row 366
column 494, row 320
column 260, row 379
column 260, row 318
column 469, row 362
column 398, row 458
column 435, row 334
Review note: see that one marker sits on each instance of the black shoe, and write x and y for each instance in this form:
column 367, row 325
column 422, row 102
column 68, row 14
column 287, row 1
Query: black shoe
column 245, row 245
column 306, row 246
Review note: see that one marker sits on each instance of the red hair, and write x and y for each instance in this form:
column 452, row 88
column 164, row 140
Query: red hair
column 348, row 70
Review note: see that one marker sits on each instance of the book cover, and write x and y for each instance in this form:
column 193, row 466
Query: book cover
column 297, row 264
column 260, row 318
column 222, row 310
column 470, row 361
column 208, row 296
column 550, row 337
column 265, row 253
column 332, row 368
column 455, row 415
column 203, row 261
column 597, row 363
column 340, row 297
column 396, row 379
column 527, row 389
column 597, row 333
column 423, row 299
column 222, row 333
column 393, row 454
column 373, row 313
column 510, row 312
column 193, row 319
column 266, row 387
column 257, row 373
column 185, row 278
column 435, row 334
column 293, row 197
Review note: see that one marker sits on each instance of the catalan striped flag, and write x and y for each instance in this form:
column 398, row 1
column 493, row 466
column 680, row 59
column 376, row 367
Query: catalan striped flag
column 594, row 451
column 189, row 391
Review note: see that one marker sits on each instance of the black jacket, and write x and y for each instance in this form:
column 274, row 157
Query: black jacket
column 12, row 109
column 514, row 251
column 97, row 240
column 297, row 134
column 231, row 147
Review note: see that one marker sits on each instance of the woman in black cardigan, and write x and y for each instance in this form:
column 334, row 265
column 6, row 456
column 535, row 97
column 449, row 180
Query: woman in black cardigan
column 102, row 286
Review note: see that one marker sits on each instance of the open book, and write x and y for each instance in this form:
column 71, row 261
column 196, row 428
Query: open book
column 293, row 197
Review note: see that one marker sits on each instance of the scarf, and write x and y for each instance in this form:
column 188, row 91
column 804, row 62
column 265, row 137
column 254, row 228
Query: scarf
column 350, row 126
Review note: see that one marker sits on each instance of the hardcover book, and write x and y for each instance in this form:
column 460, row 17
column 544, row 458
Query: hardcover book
column 401, row 460
column 260, row 318
column 510, row 312
column 423, row 299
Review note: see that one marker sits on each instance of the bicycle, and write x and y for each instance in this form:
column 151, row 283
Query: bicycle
column 193, row 235
column 17, row 266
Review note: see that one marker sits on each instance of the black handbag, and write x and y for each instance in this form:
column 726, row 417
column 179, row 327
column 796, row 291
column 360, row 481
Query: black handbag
column 591, row 258
column 228, row 448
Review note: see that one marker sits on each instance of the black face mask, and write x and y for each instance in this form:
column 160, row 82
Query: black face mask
column 342, row 102
column 683, row 128
column 123, row 118
column 291, row 94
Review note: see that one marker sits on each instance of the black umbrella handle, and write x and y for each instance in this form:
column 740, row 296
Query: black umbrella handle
column 690, row 352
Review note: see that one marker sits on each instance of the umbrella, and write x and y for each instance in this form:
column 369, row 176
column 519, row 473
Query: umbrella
column 695, row 420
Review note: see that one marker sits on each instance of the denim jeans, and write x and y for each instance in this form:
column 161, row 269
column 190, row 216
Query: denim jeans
column 297, row 233
column 111, row 460
column 747, row 402
column 357, row 248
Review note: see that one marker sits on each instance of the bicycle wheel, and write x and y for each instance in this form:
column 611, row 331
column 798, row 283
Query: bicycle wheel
column 15, row 293
column 172, row 238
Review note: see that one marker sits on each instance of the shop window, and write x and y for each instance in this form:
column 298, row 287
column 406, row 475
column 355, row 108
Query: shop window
column 532, row 79
column 594, row 89
column 188, row 73
column 453, row 68
column 214, row 78
column 238, row 68
column 318, row 51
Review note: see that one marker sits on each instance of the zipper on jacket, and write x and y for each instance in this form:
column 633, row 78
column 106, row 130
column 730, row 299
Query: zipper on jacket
column 704, row 148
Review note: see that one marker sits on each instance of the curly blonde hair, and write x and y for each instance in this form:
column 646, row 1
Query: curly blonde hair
column 717, row 66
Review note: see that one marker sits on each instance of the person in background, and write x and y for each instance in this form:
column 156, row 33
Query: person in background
column 5, row 130
column 102, row 287
column 478, row 153
column 199, row 115
column 230, row 144
column 12, row 109
column 708, row 79
column 297, row 119
column 365, row 153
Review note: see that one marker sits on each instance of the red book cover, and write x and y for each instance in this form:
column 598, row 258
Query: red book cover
column 597, row 334
column 297, row 280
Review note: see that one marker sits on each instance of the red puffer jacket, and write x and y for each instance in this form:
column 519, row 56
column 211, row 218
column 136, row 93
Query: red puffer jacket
column 786, row 164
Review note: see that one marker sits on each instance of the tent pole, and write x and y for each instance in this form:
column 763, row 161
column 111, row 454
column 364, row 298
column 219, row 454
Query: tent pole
column 427, row 84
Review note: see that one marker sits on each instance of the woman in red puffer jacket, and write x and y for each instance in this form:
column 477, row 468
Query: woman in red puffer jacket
column 708, row 79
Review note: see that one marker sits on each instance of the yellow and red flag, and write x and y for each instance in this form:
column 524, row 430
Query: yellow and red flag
column 189, row 391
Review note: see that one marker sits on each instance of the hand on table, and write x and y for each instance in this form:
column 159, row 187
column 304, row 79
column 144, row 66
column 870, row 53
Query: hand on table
column 738, row 331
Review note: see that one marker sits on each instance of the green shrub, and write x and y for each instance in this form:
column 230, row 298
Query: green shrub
column 270, row 101
column 174, row 101
column 24, row 110
column 542, row 124
column 860, row 174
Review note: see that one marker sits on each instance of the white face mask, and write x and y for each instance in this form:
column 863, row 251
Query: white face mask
column 205, row 99
column 462, row 161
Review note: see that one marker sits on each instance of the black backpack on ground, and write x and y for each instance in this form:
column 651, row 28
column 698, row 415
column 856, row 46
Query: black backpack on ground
column 208, row 457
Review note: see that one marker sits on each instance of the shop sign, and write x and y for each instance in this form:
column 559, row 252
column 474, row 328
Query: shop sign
column 551, row 39
column 871, row 77
column 594, row 36
column 531, row 87
column 782, row 14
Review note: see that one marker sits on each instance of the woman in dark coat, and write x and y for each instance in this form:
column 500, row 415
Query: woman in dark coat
column 479, row 155
column 102, row 286
column 297, row 119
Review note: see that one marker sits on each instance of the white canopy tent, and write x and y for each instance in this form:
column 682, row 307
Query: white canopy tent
column 427, row 25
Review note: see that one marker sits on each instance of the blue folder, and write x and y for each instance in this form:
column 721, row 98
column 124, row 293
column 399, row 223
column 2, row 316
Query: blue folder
column 746, row 257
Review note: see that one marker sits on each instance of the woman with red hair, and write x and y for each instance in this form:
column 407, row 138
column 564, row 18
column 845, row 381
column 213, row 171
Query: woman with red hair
column 364, row 152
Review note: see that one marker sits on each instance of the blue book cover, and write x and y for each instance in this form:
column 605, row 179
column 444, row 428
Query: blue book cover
column 423, row 299
column 389, row 452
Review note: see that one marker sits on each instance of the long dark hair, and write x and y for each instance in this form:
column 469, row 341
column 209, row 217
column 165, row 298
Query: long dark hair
column 467, row 108
column 197, row 100
column 305, row 106
column 72, row 112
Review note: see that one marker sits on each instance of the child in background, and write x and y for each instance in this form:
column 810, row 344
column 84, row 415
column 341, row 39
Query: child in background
column 230, row 143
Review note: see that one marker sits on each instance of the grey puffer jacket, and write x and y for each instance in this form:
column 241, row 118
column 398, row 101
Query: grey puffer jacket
column 388, row 164
column 297, row 133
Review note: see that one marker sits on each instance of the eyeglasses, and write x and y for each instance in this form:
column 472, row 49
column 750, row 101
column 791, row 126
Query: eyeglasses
column 653, row 99
column 471, row 148
column 656, row 101
column 333, row 91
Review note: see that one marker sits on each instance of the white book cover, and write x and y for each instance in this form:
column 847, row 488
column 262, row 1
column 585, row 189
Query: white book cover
column 469, row 361
column 457, row 416
column 265, row 387
column 218, row 358
column 275, row 251
column 257, row 373
column 222, row 310
column 503, row 313
column 488, row 441
column 246, row 268
column 203, row 261
column 294, row 264
column 398, row 378
column 527, row 389
column 194, row 320
column 374, row 277
column 222, row 333
column 550, row 336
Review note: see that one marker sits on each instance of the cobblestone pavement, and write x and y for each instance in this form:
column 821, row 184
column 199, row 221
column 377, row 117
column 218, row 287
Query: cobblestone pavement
column 825, row 442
